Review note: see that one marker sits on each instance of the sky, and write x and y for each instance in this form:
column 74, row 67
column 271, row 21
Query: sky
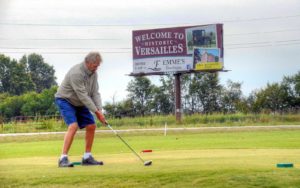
column 261, row 38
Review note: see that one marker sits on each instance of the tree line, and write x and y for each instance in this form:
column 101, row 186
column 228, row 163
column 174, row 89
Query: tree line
column 27, row 88
column 30, row 73
column 203, row 93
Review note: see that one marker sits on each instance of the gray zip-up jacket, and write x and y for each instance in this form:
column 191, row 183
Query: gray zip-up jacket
column 80, row 88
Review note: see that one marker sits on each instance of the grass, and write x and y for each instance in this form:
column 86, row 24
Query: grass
column 195, row 120
column 186, row 159
column 210, row 120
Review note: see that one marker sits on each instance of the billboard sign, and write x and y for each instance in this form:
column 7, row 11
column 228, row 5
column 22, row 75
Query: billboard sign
column 178, row 49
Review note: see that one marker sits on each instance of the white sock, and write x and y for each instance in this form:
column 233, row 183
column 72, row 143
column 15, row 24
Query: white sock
column 63, row 155
column 87, row 155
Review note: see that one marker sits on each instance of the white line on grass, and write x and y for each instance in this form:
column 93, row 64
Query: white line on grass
column 172, row 129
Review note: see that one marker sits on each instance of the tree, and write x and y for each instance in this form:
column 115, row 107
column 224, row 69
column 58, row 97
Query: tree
column 13, row 77
column 39, row 103
column 206, row 90
column 3, row 96
column 140, row 92
column 188, row 100
column 4, row 73
column 272, row 98
column 121, row 109
column 161, row 103
column 47, row 105
column 167, row 88
column 231, row 97
column 292, row 85
column 42, row 74
column 127, row 108
column 11, row 106
column 29, row 104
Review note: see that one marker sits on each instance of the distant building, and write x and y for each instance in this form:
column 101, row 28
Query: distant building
column 206, row 57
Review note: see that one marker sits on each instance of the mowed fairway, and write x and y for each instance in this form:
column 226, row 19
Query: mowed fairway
column 186, row 159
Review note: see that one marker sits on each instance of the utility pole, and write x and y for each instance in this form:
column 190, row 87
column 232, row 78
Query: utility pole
column 178, row 97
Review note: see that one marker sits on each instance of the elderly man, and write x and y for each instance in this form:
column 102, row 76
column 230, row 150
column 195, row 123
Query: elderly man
column 76, row 98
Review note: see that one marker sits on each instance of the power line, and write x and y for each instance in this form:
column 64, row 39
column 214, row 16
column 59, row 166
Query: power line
column 263, row 32
column 118, row 39
column 24, row 52
column 259, row 46
column 266, row 42
column 129, row 52
column 138, row 25
column 264, row 18
column 60, row 39
column 42, row 48
column 127, row 48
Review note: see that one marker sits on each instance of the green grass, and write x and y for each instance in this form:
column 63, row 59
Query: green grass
column 187, row 159
column 237, row 119
column 195, row 120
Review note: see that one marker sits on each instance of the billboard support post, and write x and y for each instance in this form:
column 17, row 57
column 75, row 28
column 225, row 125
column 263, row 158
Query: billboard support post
column 178, row 97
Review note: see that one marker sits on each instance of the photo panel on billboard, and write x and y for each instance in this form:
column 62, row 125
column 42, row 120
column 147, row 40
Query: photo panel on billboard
column 173, row 49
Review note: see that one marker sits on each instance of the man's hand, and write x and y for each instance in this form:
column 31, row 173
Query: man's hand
column 101, row 117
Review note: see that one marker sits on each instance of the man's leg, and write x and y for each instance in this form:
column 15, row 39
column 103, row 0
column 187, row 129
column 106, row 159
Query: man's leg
column 89, row 137
column 69, row 136
column 68, row 112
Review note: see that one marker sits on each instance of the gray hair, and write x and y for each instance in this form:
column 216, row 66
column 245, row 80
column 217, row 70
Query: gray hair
column 93, row 57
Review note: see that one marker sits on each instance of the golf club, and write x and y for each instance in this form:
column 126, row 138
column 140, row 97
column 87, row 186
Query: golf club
column 146, row 163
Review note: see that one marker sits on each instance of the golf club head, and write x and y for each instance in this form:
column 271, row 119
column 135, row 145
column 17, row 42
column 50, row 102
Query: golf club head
column 147, row 163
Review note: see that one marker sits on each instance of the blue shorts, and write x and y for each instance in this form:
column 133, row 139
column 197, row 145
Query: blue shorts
column 72, row 114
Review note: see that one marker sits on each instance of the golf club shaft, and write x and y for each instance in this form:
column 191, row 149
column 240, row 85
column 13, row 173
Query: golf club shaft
column 125, row 143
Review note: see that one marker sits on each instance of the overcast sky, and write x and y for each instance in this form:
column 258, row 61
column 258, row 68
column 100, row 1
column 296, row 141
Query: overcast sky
column 261, row 38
